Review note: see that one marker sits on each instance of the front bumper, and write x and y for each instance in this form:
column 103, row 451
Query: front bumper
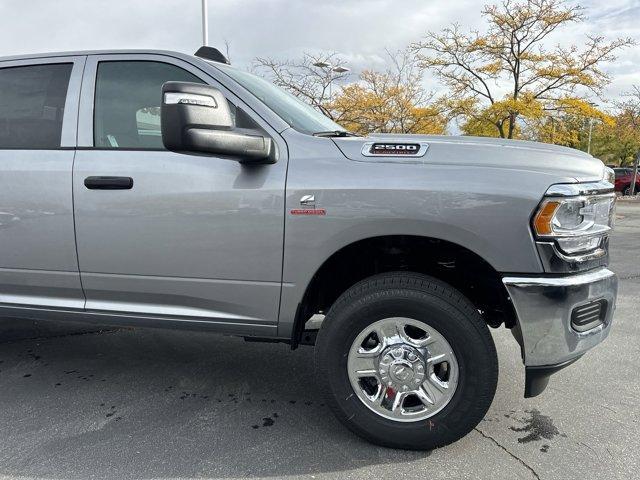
column 544, row 306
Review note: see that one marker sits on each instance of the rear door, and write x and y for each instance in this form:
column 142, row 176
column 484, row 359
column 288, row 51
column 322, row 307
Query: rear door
column 38, row 117
column 192, row 238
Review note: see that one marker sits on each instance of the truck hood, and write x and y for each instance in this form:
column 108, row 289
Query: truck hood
column 571, row 164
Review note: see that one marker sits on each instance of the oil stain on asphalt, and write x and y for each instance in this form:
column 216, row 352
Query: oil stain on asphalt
column 111, row 412
column 271, row 420
column 536, row 427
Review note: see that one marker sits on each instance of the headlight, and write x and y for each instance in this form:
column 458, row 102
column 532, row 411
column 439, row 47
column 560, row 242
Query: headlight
column 609, row 175
column 578, row 224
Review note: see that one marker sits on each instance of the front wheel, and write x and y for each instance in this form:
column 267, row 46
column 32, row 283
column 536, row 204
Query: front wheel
column 406, row 361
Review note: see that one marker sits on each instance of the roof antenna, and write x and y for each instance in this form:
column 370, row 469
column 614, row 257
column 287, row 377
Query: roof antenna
column 213, row 54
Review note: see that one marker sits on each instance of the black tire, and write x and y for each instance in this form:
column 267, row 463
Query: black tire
column 442, row 307
column 627, row 191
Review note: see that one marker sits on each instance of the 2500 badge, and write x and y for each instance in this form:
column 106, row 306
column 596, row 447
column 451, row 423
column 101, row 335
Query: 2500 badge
column 394, row 149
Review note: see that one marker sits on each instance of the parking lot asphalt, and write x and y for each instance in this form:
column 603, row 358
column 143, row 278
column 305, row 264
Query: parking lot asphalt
column 163, row 404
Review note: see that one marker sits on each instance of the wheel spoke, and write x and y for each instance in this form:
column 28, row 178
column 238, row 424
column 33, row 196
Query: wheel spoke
column 380, row 395
column 434, row 391
column 398, row 400
column 424, row 396
column 441, row 386
column 364, row 365
column 436, row 358
column 437, row 348
column 387, row 332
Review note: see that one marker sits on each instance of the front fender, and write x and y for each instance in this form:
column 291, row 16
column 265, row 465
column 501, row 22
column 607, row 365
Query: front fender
column 485, row 210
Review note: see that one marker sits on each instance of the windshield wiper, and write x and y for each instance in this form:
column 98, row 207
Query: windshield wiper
column 335, row 133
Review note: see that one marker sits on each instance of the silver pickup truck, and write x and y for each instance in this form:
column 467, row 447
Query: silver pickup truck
column 149, row 188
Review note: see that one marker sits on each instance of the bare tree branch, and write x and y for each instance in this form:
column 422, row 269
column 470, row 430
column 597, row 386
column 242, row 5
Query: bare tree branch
column 303, row 79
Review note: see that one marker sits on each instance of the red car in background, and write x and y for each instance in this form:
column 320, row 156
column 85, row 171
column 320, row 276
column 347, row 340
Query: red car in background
column 624, row 178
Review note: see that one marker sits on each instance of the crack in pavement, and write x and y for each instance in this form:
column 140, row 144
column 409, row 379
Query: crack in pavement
column 512, row 455
column 630, row 277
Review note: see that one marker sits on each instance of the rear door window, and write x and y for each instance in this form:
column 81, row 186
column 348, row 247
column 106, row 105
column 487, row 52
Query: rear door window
column 32, row 100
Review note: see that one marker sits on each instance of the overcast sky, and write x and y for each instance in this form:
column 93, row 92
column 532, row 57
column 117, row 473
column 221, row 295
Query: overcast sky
column 359, row 30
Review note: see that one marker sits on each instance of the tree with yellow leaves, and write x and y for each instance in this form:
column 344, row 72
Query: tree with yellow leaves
column 511, row 56
column 619, row 143
column 568, row 123
column 393, row 101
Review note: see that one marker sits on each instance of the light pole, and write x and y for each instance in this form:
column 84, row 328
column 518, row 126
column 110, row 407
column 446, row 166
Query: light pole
column 205, row 24
column 635, row 174
column 553, row 120
column 590, row 131
column 327, row 66
column 594, row 105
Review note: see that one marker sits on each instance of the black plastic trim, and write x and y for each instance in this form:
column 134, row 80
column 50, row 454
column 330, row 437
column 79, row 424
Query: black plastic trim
column 581, row 326
column 299, row 322
column 537, row 378
column 108, row 183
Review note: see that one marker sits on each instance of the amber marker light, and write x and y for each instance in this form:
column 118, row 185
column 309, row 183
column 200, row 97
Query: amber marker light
column 542, row 222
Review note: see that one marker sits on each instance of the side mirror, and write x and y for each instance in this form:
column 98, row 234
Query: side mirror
column 197, row 118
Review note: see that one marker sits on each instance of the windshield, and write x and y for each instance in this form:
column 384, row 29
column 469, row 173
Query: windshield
column 296, row 113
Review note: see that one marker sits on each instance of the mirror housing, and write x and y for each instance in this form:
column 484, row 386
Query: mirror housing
column 197, row 118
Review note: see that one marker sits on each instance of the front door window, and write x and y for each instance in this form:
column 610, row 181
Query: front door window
column 127, row 102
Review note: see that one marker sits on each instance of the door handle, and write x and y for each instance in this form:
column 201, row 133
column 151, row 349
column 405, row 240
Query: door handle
column 108, row 183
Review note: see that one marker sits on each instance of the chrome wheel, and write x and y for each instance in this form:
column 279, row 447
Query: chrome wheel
column 402, row 369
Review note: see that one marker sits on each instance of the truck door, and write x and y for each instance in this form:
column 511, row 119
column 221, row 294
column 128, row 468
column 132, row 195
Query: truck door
column 38, row 117
column 175, row 237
